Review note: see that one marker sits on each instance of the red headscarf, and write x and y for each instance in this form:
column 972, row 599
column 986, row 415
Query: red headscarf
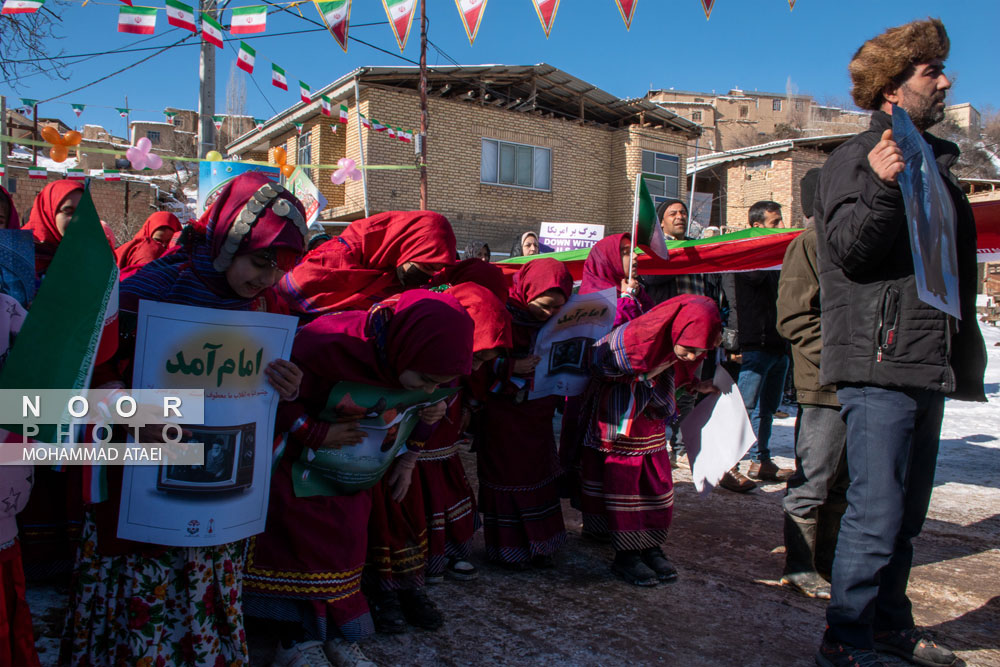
column 424, row 331
column 692, row 321
column 143, row 248
column 492, row 321
column 603, row 268
column 476, row 271
column 539, row 276
column 13, row 219
column 42, row 221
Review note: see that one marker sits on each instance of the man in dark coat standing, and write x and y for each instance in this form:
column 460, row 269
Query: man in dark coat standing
column 893, row 357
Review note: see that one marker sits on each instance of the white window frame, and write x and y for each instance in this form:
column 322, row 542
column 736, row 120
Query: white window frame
column 497, row 183
column 775, row 105
column 300, row 145
column 663, row 177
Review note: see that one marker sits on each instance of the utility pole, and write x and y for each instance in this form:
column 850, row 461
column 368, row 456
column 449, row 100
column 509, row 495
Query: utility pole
column 34, row 135
column 423, row 105
column 206, row 96
column 128, row 122
column 4, row 145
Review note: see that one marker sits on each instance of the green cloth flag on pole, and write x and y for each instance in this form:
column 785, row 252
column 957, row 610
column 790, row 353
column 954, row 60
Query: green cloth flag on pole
column 73, row 321
column 646, row 231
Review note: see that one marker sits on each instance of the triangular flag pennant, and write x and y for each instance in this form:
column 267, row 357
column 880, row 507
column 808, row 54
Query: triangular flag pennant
column 247, row 20
column 298, row 127
column 28, row 102
column 627, row 10
column 77, row 109
column 137, row 20
column 217, row 122
column 791, row 5
column 392, row 132
column 246, row 58
column 337, row 17
column 400, row 13
column 22, row 6
column 258, row 123
column 546, row 10
column 304, row 93
column 332, row 127
column 343, row 113
column 400, row 134
column 377, row 126
column 211, row 30
column 471, row 12
column 707, row 6
column 324, row 105
column 122, row 112
column 648, row 233
column 180, row 15
column 365, row 122
column 278, row 77
column 170, row 116
column 127, row 2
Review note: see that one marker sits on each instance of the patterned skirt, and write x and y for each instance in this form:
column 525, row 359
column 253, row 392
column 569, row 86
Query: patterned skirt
column 397, row 539
column 450, row 506
column 629, row 497
column 180, row 608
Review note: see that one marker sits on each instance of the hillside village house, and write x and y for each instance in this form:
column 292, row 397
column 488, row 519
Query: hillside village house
column 509, row 147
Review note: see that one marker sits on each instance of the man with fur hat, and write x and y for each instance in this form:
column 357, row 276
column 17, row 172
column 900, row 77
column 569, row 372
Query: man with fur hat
column 893, row 357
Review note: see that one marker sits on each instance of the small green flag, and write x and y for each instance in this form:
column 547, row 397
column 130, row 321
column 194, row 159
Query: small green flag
column 646, row 224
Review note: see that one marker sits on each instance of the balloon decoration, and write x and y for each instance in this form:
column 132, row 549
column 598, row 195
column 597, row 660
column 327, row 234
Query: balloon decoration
column 60, row 142
column 347, row 168
column 213, row 156
column 140, row 157
column 280, row 160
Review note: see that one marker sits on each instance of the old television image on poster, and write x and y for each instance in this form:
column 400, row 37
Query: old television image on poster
column 230, row 452
column 570, row 356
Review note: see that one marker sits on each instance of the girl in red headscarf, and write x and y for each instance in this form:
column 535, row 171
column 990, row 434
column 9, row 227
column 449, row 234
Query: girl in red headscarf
column 53, row 209
column 627, row 482
column 518, row 465
column 372, row 259
column 148, row 244
column 138, row 603
column 308, row 563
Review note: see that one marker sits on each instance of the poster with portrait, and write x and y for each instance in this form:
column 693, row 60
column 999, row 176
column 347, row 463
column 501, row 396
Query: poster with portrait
column 386, row 416
column 564, row 343
column 224, row 353
column 931, row 217
column 306, row 191
column 213, row 176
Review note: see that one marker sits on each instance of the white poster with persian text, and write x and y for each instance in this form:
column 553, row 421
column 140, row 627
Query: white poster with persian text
column 561, row 236
column 223, row 352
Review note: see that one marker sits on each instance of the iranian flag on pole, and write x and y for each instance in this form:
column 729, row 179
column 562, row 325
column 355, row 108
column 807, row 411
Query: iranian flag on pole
column 180, row 15
column 325, row 106
column 211, row 30
column 248, row 20
column 472, row 16
column 304, row 93
column 337, row 16
column 343, row 114
column 22, row 6
column 627, row 10
column 246, row 58
column 400, row 13
column 278, row 77
column 75, row 174
column 137, row 20
column 546, row 10
column 646, row 231
column 38, row 172
column 77, row 109
column 80, row 288
column 112, row 175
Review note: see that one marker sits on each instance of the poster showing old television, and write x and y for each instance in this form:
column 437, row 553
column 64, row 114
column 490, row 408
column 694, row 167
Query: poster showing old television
column 564, row 344
column 387, row 417
column 224, row 353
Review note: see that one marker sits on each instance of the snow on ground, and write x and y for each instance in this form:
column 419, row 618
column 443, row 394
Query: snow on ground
column 21, row 153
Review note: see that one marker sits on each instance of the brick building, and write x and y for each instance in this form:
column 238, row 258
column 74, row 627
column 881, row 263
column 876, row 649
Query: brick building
column 741, row 118
column 509, row 147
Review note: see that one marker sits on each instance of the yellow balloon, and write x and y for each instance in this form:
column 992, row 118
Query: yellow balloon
column 213, row 156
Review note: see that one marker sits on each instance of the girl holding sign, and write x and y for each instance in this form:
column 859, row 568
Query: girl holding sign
column 518, row 464
column 627, row 482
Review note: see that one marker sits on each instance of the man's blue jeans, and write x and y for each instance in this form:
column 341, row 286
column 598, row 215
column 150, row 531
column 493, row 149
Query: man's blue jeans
column 892, row 446
column 761, row 383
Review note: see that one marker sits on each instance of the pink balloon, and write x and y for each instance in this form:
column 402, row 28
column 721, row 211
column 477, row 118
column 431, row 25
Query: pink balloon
column 144, row 145
column 136, row 157
column 154, row 161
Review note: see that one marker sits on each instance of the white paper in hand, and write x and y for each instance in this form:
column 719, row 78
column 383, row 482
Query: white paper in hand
column 717, row 433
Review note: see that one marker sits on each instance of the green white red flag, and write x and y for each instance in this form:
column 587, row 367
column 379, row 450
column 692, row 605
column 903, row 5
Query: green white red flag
column 365, row 122
column 278, row 77
column 400, row 13
column 38, row 172
column 391, row 131
column 707, row 5
column 546, row 10
column 304, row 93
column 246, row 58
column 337, row 17
column 217, row 122
column 343, row 113
column 75, row 174
column 406, row 137
column 258, row 123
column 248, row 20
column 377, row 126
column 298, row 127
column 627, row 10
column 77, row 109
column 137, row 20
column 471, row 12
column 646, row 230
column 22, row 6
column 325, row 107
column 180, row 15
column 112, row 175
column 122, row 111
column 211, row 30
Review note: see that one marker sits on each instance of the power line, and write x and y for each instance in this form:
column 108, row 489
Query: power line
column 257, row 86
